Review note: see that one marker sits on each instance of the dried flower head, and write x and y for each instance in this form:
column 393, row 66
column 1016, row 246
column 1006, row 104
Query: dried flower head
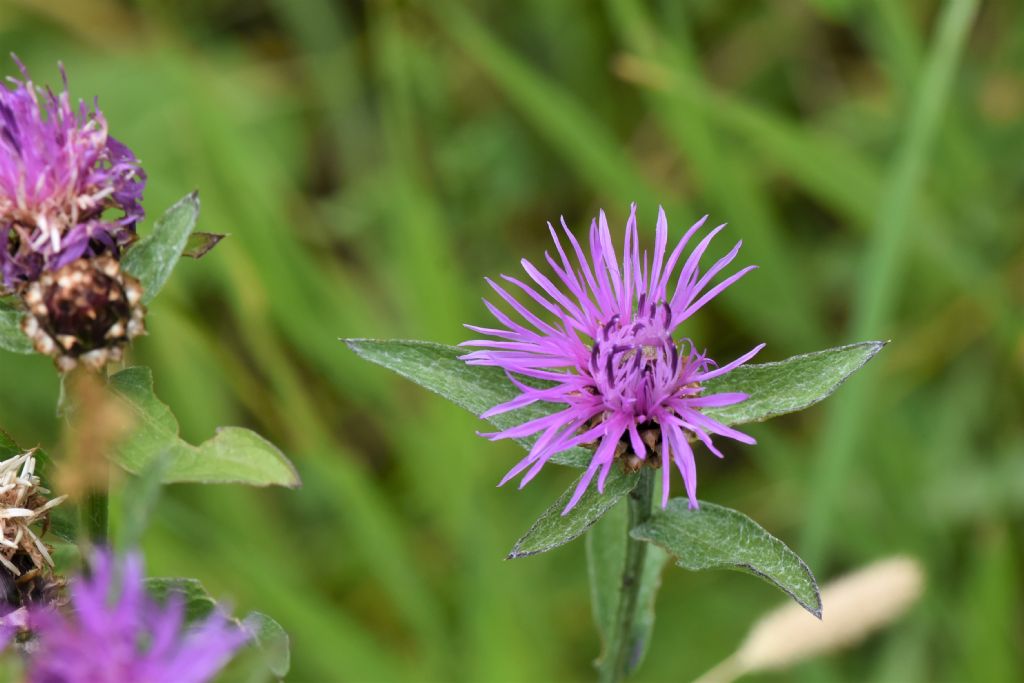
column 116, row 633
column 67, row 188
column 611, row 357
column 24, row 503
column 85, row 312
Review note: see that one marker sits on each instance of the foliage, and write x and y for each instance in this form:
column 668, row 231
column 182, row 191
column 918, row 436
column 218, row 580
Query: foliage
column 234, row 455
column 153, row 259
column 373, row 163
column 715, row 537
column 141, row 435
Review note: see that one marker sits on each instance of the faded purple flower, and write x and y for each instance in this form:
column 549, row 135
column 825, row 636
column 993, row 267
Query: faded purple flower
column 67, row 188
column 610, row 356
column 117, row 633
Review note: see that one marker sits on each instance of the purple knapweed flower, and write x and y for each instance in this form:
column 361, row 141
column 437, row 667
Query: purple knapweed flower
column 67, row 188
column 116, row 633
column 610, row 355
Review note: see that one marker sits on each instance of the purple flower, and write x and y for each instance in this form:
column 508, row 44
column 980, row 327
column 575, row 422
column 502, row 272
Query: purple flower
column 67, row 188
column 610, row 356
column 117, row 633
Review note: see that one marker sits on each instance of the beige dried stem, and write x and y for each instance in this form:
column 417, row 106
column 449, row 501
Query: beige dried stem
column 855, row 606
column 99, row 422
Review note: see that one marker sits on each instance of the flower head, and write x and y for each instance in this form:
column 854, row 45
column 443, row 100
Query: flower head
column 611, row 355
column 87, row 311
column 117, row 633
column 67, row 188
column 25, row 561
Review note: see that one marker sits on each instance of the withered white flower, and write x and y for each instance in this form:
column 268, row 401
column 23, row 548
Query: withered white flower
column 23, row 503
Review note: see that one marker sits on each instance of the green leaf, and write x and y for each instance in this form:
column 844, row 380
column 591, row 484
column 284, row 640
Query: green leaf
column 272, row 640
column 11, row 336
column 153, row 258
column 476, row 388
column 198, row 603
column 553, row 529
column 233, row 455
column 265, row 633
column 606, row 558
column 201, row 243
column 790, row 385
column 716, row 537
column 136, row 501
column 606, row 554
column 774, row 388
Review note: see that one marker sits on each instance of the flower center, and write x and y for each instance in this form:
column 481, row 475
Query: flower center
column 636, row 364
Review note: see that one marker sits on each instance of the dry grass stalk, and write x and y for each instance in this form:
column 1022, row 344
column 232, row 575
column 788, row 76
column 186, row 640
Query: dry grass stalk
column 855, row 605
column 98, row 423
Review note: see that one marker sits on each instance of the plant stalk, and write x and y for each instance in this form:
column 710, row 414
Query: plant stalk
column 622, row 647
column 96, row 512
column 77, row 391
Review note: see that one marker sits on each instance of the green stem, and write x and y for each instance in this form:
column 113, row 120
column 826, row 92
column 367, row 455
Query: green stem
column 95, row 511
column 618, row 661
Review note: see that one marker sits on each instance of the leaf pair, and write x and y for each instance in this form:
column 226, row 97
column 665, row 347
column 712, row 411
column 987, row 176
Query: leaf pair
column 714, row 536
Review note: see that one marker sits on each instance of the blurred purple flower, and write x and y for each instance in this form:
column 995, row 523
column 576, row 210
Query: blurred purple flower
column 117, row 633
column 610, row 357
column 61, row 174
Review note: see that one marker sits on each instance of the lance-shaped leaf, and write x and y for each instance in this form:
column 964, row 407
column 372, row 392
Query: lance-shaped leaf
column 233, row 455
column 790, row 385
column 716, row 537
column 476, row 388
column 156, row 254
column 553, row 529
column 774, row 388
column 11, row 336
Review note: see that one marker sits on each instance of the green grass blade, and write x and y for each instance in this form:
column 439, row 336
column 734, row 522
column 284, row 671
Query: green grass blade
column 879, row 283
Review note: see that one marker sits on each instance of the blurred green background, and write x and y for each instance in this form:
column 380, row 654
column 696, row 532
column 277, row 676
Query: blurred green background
column 372, row 161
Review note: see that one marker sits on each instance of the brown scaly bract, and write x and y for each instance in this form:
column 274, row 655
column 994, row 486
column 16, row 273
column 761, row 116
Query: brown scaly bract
column 86, row 312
